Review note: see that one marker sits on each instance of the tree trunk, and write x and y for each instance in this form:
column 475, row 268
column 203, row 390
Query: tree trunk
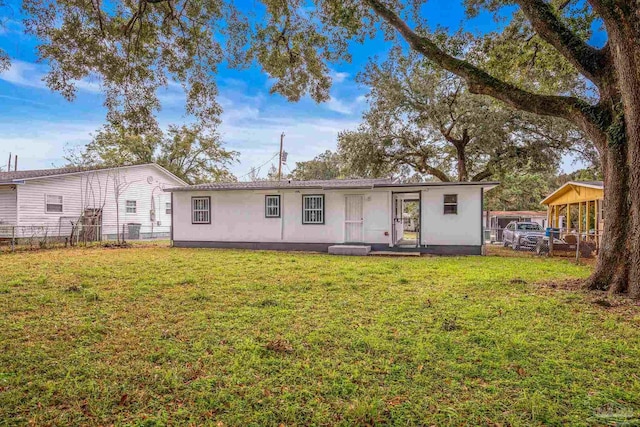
column 462, row 164
column 612, row 270
column 618, row 268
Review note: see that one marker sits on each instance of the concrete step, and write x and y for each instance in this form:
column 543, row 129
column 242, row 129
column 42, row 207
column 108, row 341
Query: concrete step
column 394, row 253
column 359, row 250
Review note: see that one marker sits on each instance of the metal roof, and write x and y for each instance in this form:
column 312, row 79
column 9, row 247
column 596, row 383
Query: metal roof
column 599, row 185
column 334, row 184
column 13, row 176
column 41, row 173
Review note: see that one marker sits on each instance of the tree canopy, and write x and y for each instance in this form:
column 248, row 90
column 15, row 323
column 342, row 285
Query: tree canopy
column 425, row 118
column 327, row 165
column 189, row 152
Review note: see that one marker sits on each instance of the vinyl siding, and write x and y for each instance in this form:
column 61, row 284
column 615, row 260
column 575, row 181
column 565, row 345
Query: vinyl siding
column 95, row 189
column 8, row 211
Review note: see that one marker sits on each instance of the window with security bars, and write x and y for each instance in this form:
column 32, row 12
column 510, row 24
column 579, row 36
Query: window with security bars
column 313, row 209
column 201, row 210
column 53, row 204
column 450, row 204
column 272, row 206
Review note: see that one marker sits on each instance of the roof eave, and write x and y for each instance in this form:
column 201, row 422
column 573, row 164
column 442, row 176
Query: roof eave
column 484, row 184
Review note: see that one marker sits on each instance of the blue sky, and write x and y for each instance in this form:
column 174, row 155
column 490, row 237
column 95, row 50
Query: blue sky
column 37, row 124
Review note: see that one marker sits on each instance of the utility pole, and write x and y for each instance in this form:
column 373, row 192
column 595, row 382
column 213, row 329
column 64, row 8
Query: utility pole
column 280, row 157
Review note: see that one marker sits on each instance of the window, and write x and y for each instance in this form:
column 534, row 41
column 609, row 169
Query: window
column 313, row 209
column 531, row 226
column 53, row 204
column 201, row 210
column 450, row 204
column 131, row 206
column 272, row 206
column 167, row 208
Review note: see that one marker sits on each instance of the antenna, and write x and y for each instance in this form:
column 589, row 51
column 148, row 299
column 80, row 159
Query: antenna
column 9, row 164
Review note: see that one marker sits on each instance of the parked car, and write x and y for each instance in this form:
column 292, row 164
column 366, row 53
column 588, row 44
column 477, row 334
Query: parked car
column 522, row 234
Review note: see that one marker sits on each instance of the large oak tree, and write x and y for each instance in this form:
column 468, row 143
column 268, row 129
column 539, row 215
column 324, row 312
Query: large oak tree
column 134, row 47
column 425, row 118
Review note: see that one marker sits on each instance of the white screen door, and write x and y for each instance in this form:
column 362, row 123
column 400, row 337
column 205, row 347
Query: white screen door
column 354, row 219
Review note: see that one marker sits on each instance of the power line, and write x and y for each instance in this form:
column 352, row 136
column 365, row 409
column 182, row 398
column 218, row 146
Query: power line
column 287, row 166
column 258, row 167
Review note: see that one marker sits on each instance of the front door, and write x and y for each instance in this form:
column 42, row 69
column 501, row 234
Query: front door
column 354, row 219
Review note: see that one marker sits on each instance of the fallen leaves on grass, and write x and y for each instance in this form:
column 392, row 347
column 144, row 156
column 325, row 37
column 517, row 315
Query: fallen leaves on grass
column 279, row 346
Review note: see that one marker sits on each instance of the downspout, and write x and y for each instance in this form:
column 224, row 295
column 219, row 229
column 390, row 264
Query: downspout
column 282, row 216
column 390, row 210
column 172, row 223
column 481, row 221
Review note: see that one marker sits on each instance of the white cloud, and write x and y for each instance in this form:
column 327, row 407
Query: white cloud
column 338, row 77
column 29, row 74
column 258, row 138
column 23, row 74
column 40, row 144
column 339, row 106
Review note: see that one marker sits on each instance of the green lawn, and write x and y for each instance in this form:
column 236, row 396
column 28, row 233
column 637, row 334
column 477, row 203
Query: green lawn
column 160, row 336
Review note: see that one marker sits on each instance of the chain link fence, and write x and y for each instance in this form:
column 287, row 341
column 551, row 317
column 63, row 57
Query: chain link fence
column 75, row 233
column 567, row 243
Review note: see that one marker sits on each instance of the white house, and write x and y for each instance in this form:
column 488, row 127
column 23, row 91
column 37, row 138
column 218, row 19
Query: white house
column 313, row 215
column 53, row 201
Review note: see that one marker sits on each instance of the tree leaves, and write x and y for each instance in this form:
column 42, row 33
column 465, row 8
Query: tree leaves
column 189, row 152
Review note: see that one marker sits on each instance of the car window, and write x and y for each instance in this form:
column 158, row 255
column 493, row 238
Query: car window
column 529, row 227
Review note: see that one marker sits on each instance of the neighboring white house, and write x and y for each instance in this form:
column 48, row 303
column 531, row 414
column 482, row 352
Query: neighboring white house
column 313, row 215
column 53, row 201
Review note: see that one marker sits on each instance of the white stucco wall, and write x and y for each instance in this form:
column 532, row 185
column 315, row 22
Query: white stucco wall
column 463, row 228
column 238, row 216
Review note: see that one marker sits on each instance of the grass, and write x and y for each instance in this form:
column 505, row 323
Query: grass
column 160, row 336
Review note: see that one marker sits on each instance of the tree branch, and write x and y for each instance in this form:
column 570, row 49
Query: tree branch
column 482, row 175
column 591, row 62
column 437, row 173
column 480, row 82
